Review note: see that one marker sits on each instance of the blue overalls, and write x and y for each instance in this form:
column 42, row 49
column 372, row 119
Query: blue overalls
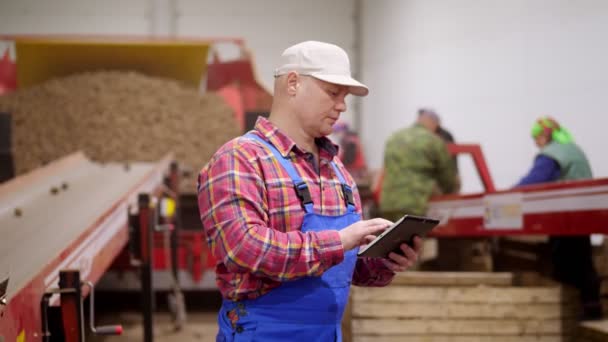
column 307, row 309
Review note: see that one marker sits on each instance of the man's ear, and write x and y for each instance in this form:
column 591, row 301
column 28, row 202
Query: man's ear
column 293, row 82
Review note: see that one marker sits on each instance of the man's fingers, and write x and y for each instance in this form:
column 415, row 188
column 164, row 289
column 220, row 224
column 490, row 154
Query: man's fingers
column 369, row 238
column 393, row 266
column 375, row 228
column 418, row 244
column 380, row 221
column 400, row 259
column 410, row 254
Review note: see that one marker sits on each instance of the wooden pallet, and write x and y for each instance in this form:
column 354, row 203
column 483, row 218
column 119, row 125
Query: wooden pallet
column 593, row 331
column 444, row 306
column 600, row 259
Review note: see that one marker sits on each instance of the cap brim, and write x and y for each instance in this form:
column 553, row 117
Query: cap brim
column 355, row 87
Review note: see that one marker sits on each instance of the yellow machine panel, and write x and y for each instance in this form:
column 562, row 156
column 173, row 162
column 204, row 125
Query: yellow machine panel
column 42, row 58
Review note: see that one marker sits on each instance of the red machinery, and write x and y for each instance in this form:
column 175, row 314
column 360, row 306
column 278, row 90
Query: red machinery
column 44, row 57
column 562, row 208
column 8, row 74
column 61, row 226
column 236, row 81
column 54, row 246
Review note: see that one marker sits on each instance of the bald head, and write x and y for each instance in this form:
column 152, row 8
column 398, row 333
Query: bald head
column 288, row 89
column 428, row 119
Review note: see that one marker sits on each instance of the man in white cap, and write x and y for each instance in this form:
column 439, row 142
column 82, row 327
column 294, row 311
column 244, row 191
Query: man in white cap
column 283, row 216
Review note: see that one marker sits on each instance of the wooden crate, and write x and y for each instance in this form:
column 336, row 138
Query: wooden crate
column 600, row 259
column 593, row 331
column 455, row 307
column 523, row 253
column 462, row 255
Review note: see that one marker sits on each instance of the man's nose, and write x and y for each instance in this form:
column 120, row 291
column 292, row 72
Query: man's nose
column 341, row 105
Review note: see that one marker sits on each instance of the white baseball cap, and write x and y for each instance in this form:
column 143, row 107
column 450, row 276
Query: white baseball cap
column 323, row 61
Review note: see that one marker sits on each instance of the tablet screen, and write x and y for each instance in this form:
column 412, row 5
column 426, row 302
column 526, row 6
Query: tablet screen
column 402, row 231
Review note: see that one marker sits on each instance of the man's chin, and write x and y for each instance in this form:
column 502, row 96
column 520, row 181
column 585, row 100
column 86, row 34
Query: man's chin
column 325, row 131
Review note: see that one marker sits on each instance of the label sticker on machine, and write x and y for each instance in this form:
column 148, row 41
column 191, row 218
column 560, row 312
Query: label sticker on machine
column 441, row 214
column 503, row 211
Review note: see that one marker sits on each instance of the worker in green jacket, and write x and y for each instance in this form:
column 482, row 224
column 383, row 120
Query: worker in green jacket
column 560, row 159
column 416, row 163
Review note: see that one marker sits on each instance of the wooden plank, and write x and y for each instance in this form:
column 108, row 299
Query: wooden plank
column 460, row 310
column 453, row 278
column 527, row 278
column 443, row 338
column 506, row 261
column 604, row 287
column 601, row 265
column 457, row 327
column 524, row 243
column 600, row 259
column 594, row 331
column 531, row 239
column 464, row 254
column 346, row 321
column 481, row 294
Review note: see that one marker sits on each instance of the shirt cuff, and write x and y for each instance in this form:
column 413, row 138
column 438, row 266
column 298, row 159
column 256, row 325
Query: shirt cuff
column 382, row 275
column 330, row 247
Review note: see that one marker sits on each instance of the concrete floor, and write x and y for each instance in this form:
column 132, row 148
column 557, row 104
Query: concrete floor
column 200, row 327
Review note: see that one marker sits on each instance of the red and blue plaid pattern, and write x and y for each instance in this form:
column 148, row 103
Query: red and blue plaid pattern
column 252, row 215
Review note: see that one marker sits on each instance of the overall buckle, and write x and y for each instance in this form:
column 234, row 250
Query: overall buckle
column 303, row 193
column 348, row 194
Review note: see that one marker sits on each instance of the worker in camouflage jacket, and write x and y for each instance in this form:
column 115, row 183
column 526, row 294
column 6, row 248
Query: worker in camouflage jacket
column 417, row 164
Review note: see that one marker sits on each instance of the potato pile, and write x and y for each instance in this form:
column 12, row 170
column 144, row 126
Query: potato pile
column 116, row 116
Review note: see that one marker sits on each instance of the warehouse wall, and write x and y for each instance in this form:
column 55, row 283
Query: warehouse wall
column 74, row 17
column 490, row 68
column 268, row 26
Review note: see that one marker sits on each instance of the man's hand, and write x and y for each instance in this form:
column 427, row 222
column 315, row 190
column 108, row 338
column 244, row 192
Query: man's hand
column 400, row 263
column 359, row 233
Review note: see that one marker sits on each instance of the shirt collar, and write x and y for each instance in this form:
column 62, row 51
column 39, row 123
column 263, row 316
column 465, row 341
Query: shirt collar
column 285, row 144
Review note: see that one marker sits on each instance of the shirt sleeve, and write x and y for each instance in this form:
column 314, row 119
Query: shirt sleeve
column 234, row 213
column 446, row 169
column 545, row 169
column 372, row 272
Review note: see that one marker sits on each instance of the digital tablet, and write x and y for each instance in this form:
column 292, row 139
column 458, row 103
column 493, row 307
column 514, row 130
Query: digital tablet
column 402, row 231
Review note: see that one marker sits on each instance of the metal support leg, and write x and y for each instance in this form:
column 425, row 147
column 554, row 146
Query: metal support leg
column 71, row 309
column 174, row 186
column 71, row 318
column 145, row 226
column 176, row 297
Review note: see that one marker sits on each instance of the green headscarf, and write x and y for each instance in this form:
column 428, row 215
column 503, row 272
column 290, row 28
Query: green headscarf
column 558, row 133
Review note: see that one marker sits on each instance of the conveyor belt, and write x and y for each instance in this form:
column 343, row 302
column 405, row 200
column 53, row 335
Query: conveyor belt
column 65, row 223
column 561, row 208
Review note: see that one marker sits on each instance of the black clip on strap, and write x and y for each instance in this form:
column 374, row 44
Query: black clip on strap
column 348, row 194
column 303, row 193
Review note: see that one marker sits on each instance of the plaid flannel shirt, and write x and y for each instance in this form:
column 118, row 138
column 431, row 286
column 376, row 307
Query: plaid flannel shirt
column 252, row 216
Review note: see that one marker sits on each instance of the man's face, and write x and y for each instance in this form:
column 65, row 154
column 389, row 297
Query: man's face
column 319, row 105
column 429, row 123
column 541, row 140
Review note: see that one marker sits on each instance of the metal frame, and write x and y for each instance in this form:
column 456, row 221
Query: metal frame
column 562, row 208
column 23, row 314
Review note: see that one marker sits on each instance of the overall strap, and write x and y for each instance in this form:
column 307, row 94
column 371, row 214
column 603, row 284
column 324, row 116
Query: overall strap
column 347, row 191
column 299, row 185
